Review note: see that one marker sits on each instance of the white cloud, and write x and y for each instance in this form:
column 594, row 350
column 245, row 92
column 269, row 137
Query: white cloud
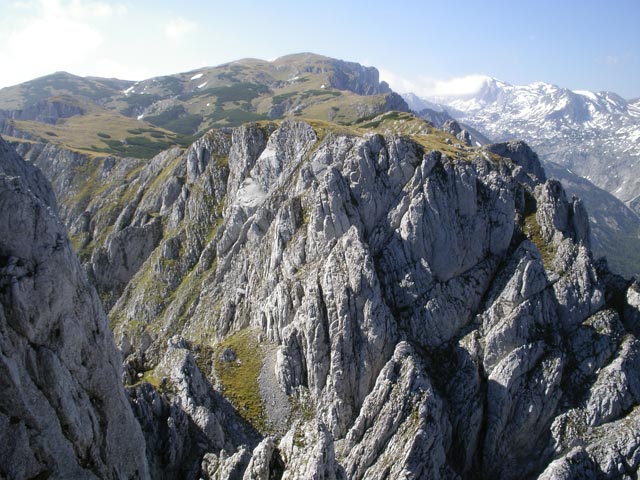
column 50, row 35
column 398, row 83
column 424, row 86
column 460, row 86
column 179, row 28
column 612, row 60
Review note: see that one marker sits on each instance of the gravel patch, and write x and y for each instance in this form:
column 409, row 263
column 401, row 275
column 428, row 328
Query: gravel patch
column 276, row 402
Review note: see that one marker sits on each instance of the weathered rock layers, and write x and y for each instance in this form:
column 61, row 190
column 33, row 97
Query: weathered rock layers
column 424, row 315
column 63, row 411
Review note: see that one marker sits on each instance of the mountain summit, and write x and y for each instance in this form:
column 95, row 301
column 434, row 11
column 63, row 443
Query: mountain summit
column 107, row 115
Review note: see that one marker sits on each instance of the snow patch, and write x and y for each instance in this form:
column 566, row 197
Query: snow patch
column 202, row 85
column 587, row 93
column 129, row 90
column 140, row 117
column 197, row 76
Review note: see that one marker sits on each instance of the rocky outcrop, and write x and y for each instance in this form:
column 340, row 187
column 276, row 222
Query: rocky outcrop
column 357, row 78
column 433, row 308
column 63, row 410
column 45, row 111
column 368, row 261
column 453, row 127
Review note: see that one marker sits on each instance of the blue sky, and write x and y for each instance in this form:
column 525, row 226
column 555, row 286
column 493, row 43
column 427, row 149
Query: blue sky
column 426, row 46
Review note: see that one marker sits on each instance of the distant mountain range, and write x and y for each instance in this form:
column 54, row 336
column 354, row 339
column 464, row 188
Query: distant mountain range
column 596, row 135
column 577, row 134
column 143, row 118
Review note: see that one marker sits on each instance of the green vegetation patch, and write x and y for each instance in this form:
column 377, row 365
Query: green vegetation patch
column 172, row 84
column 238, row 92
column 533, row 231
column 235, row 117
column 177, row 120
column 276, row 99
column 61, row 83
column 138, row 101
column 138, row 147
column 239, row 378
column 317, row 93
column 382, row 118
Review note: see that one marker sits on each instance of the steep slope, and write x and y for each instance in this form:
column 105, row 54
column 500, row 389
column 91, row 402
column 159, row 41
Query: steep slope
column 63, row 410
column 378, row 301
column 593, row 134
column 615, row 228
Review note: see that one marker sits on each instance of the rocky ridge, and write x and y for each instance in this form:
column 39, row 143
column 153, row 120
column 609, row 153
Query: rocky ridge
column 63, row 410
column 434, row 308
column 615, row 229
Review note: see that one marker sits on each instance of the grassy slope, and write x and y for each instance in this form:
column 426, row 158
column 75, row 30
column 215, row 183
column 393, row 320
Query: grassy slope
column 188, row 103
column 103, row 132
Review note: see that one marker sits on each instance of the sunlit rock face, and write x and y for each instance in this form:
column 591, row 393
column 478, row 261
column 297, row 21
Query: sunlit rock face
column 400, row 306
column 63, row 410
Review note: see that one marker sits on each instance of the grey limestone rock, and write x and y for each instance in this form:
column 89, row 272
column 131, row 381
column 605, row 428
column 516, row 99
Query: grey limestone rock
column 63, row 410
column 401, row 431
column 308, row 452
column 439, row 310
column 265, row 462
column 421, row 315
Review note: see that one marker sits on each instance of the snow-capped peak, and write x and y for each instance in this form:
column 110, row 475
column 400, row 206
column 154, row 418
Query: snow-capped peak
column 577, row 128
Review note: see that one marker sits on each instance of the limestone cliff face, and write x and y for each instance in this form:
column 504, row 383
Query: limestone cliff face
column 45, row 111
column 63, row 410
column 377, row 306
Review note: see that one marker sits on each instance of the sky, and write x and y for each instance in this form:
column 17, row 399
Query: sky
column 428, row 47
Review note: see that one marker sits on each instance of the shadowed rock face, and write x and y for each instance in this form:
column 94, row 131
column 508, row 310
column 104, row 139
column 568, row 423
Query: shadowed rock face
column 63, row 410
column 432, row 315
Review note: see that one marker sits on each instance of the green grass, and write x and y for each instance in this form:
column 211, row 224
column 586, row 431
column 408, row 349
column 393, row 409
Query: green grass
column 176, row 119
column 137, row 101
column 150, row 377
column 533, row 231
column 105, row 132
column 240, row 380
column 234, row 117
column 62, row 83
column 238, row 92
column 276, row 99
column 137, row 147
column 319, row 92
